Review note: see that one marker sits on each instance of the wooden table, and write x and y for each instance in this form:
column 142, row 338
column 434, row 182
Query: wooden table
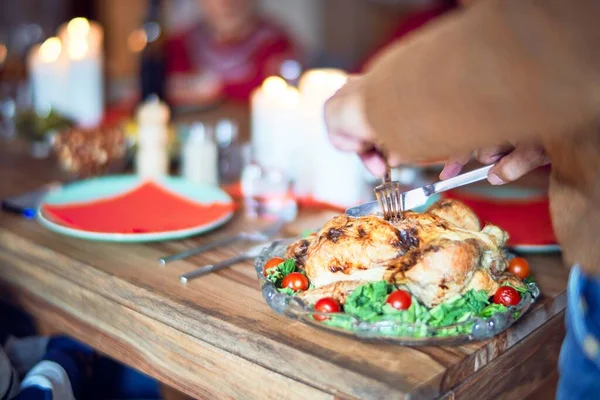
column 217, row 338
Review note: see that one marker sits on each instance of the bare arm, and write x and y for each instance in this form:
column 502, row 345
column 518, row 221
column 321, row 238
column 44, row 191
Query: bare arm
column 503, row 70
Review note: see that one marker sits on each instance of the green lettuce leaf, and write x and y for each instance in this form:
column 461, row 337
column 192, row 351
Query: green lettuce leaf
column 476, row 300
column 491, row 310
column 275, row 275
column 286, row 290
column 367, row 301
column 340, row 321
column 455, row 330
column 528, row 280
column 459, row 309
column 518, row 289
column 287, row 267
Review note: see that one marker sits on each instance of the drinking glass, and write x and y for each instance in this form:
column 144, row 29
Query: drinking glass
column 267, row 193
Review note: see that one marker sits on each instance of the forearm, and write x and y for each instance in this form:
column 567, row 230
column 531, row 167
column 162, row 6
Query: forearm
column 504, row 70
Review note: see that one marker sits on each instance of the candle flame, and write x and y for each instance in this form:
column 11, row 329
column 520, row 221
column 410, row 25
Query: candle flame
column 78, row 27
column 50, row 50
column 77, row 49
column 274, row 85
column 332, row 79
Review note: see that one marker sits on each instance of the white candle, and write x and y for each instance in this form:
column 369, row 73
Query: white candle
column 274, row 120
column 330, row 175
column 82, row 63
column 44, row 70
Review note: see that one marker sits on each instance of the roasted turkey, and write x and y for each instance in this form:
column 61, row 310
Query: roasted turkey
column 435, row 255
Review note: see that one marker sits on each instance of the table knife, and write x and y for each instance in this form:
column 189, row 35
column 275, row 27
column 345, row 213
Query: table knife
column 253, row 252
column 419, row 197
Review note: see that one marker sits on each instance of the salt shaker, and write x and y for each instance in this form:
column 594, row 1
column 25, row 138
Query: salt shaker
column 199, row 157
column 230, row 157
column 152, row 158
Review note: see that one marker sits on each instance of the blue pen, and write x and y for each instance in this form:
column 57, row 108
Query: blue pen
column 28, row 203
column 28, row 213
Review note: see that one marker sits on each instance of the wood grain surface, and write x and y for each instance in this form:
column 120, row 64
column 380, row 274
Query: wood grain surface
column 216, row 337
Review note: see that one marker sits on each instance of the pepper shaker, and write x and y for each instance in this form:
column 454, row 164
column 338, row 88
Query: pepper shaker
column 230, row 155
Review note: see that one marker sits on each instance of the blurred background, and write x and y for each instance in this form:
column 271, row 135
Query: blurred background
column 328, row 33
column 243, row 79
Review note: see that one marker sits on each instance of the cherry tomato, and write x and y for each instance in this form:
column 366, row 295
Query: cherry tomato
column 326, row 305
column 519, row 267
column 272, row 263
column 399, row 299
column 507, row 296
column 295, row 281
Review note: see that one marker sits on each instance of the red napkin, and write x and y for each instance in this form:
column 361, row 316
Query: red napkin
column 149, row 208
column 526, row 221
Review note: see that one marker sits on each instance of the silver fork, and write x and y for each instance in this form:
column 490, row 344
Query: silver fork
column 388, row 196
column 393, row 202
column 207, row 269
column 252, row 236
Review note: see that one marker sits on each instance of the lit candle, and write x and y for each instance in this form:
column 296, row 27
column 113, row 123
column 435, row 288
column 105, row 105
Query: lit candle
column 329, row 175
column 274, row 117
column 44, row 70
column 82, row 63
column 80, row 30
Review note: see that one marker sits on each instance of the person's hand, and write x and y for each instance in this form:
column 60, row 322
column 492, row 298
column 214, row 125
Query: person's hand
column 349, row 129
column 511, row 162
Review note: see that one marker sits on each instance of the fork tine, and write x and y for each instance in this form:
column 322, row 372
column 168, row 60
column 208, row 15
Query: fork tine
column 380, row 194
column 390, row 203
column 389, row 198
column 390, row 206
column 397, row 195
column 394, row 204
column 384, row 204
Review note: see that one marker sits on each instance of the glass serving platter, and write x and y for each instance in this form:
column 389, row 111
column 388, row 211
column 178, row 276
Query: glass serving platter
column 389, row 330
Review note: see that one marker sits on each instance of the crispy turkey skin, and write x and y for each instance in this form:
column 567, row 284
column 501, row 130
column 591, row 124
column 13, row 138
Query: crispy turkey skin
column 435, row 255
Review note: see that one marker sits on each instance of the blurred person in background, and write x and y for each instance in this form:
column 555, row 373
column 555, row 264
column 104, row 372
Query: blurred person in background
column 415, row 20
column 227, row 54
column 509, row 82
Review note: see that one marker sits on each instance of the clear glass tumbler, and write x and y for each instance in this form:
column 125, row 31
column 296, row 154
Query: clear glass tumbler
column 267, row 193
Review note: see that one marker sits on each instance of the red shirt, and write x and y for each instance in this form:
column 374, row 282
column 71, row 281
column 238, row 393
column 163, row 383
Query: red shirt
column 241, row 66
column 406, row 26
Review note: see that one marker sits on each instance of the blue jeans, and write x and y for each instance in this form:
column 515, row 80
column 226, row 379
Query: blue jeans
column 579, row 362
column 109, row 379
